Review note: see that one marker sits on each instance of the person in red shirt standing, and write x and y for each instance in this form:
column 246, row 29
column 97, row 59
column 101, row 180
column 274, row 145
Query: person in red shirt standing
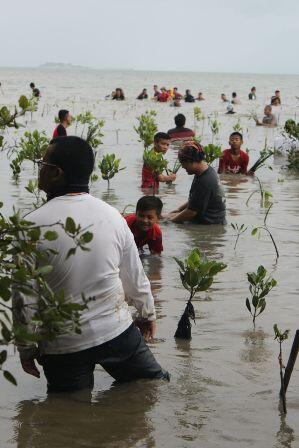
column 65, row 120
column 143, row 224
column 149, row 178
column 163, row 96
column 234, row 160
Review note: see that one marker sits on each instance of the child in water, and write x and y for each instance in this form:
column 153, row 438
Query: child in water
column 234, row 160
column 149, row 178
column 143, row 224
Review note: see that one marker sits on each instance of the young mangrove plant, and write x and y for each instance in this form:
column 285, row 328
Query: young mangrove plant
column 291, row 131
column 259, row 286
column 265, row 153
column 237, row 127
column 198, row 117
column 23, row 271
column 265, row 195
column 215, row 127
column 280, row 337
column 146, row 128
column 257, row 230
column 197, row 274
column 240, row 230
column 212, row 152
column 32, row 188
column 109, row 166
column 92, row 128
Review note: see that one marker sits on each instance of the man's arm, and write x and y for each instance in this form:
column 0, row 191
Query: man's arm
column 135, row 283
column 184, row 215
column 167, row 177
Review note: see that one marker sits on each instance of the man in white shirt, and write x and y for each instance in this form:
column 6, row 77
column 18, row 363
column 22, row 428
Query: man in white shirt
column 108, row 275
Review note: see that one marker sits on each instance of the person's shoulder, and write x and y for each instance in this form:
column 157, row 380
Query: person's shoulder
column 130, row 219
column 244, row 155
column 171, row 131
column 226, row 152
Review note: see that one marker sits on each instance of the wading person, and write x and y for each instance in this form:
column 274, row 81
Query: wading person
column 106, row 274
column 180, row 132
column 234, row 160
column 149, row 178
column 35, row 90
column 206, row 203
column 269, row 119
column 143, row 95
column 252, row 94
column 65, row 120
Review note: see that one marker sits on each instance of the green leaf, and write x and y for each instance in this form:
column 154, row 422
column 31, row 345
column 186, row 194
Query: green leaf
column 9, row 377
column 23, row 102
column 254, row 231
column 248, row 305
column 86, row 237
column 51, row 235
column 71, row 252
column 70, row 225
column 44, row 270
column 3, row 357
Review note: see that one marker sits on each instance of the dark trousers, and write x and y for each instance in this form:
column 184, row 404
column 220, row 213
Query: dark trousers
column 125, row 358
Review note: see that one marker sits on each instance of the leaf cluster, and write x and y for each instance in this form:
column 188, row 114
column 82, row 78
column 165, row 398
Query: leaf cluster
column 212, row 152
column 155, row 161
column 109, row 166
column 146, row 128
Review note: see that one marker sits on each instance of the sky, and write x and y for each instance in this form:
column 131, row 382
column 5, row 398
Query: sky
column 242, row 36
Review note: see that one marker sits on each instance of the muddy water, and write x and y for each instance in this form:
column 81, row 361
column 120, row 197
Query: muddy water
column 225, row 381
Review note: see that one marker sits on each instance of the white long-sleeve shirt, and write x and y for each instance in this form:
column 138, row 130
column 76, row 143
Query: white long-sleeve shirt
column 108, row 273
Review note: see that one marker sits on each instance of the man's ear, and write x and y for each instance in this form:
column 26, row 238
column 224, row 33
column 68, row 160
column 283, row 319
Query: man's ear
column 59, row 174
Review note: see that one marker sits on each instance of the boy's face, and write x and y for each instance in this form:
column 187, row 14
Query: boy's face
column 146, row 219
column 235, row 142
column 162, row 145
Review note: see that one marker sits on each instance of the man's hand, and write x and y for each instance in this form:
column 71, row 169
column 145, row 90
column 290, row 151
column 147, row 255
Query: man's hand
column 30, row 367
column 147, row 328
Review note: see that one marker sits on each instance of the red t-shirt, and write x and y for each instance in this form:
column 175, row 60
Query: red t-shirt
column 180, row 133
column 149, row 178
column 163, row 97
column 228, row 165
column 59, row 131
column 153, row 237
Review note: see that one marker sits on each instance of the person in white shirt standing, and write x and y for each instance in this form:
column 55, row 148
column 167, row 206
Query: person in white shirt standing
column 109, row 275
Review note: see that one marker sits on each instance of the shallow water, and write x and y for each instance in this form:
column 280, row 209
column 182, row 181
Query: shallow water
column 225, row 381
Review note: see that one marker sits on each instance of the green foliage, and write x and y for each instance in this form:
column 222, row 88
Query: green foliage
column 155, row 161
column 257, row 230
column 32, row 188
column 265, row 195
column 94, row 133
column 109, row 166
column 265, row 153
column 146, row 128
column 176, row 167
column 280, row 336
column 259, row 286
column 212, row 152
column 198, row 114
column 237, row 127
column 197, row 272
column 240, row 230
column 292, row 131
column 23, row 268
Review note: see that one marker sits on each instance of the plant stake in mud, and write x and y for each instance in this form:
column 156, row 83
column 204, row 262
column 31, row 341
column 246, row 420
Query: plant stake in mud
column 259, row 287
column 147, row 128
column 197, row 274
column 280, row 337
column 109, row 166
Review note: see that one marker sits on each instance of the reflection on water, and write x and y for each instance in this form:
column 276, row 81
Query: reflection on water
column 99, row 419
column 285, row 436
column 255, row 350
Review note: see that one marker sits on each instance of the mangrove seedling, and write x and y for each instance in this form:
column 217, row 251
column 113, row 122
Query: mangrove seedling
column 237, row 127
column 146, row 128
column 197, row 274
column 215, row 127
column 257, row 230
column 265, row 195
column 280, row 337
column 198, row 116
column 265, row 153
column 109, row 166
column 32, row 188
column 212, row 152
column 240, row 230
column 155, row 161
column 259, row 286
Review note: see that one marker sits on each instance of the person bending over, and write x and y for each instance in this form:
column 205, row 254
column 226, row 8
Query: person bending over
column 234, row 160
column 144, row 224
column 206, row 203
column 107, row 275
column 149, row 178
column 65, row 120
column 180, row 132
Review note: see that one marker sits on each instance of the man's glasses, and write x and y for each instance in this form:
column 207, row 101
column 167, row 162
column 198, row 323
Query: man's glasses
column 40, row 163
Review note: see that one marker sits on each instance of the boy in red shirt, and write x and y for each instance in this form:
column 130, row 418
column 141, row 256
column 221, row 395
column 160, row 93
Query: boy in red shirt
column 149, row 178
column 65, row 120
column 234, row 160
column 143, row 224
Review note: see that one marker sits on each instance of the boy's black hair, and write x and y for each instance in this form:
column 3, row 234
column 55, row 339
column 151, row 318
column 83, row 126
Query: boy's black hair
column 62, row 114
column 180, row 120
column 32, row 84
column 75, row 157
column 237, row 134
column 161, row 136
column 234, row 94
column 149, row 203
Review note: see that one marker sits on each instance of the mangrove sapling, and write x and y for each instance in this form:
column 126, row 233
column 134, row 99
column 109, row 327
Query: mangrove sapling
column 292, row 132
column 259, row 286
column 146, row 128
column 280, row 337
column 109, row 166
column 215, row 127
column 237, row 127
column 198, row 116
column 212, row 152
column 265, row 195
column 94, row 133
column 240, row 230
column 155, row 161
column 265, row 153
column 32, row 188
column 257, row 230
column 197, row 274
column 23, row 271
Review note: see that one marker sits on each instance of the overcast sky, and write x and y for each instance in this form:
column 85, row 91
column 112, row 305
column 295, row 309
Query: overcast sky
column 259, row 36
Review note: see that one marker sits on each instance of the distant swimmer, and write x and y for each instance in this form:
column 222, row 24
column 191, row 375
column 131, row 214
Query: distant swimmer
column 269, row 119
column 223, row 98
column 275, row 99
column 200, row 97
column 65, row 120
column 188, row 97
column 35, row 90
column 143, row 95
column 119, row 95
column 235, row 100
column 252, row 94
column 180, row 132
column 176, row 94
